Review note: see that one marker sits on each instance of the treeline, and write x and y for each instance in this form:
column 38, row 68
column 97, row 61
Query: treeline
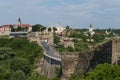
column 100, row 72
column 17, row 59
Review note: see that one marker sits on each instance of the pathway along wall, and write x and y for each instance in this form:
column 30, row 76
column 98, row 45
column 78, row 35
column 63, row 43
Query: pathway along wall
column 80, row 63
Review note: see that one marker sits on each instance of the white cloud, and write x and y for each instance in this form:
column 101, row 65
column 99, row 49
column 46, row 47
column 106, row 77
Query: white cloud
column 89, row 11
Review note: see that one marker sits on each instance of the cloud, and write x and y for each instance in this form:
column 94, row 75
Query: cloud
column 75, row 13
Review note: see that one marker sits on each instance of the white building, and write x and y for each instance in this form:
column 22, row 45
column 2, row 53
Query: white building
column 58, row 27
column 90, row 28
column 91, row 31
column 5, row 28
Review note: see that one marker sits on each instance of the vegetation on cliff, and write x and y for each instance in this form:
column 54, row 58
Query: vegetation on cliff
column 101, row 72
column 17, row 58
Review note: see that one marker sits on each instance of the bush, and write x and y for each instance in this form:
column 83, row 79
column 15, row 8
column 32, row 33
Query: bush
column 17, row 58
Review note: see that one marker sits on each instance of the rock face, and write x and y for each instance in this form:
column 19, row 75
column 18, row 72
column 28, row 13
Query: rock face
column 69, row 60
column 116, row 51
column 49, row 67
column 81, row 63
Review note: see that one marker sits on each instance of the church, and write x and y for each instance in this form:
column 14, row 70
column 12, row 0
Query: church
column 7, row 28
column 21, row 25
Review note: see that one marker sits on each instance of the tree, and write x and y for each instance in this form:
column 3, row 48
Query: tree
column 43, row 28
column 38, row 27
column 104, row 72
column 5, row 72
column 18, row 75
column 70, row 49
column 12, row 29
column 67, row 27
column 54, row 29
column 6, row 53
column 101, row 72
column 17, row 58
column 19, row 28
column 49, row 29
column 84, row 38
column 20, row 64
column 67, row 30
column 98, row 37
column 81, row 46
column 25, row 28
column 56, row 39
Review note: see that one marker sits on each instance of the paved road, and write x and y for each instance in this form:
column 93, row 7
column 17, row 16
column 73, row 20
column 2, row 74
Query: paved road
column 50, row 51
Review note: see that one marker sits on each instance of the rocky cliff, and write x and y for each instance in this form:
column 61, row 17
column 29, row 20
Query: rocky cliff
column 116, row 51
column 81, row 63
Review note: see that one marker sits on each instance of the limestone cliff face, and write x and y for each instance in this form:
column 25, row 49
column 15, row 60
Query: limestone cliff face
column 49, row 67
column 116, row 51
column 81, row 63
column 68, row 64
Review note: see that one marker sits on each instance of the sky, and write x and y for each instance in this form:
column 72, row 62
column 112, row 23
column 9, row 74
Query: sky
column 75, row 13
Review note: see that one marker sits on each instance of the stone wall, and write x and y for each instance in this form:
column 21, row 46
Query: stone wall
column 41, row 36
column 81, row 63
column 116, row 51
column 69, row 60
column 49, row 67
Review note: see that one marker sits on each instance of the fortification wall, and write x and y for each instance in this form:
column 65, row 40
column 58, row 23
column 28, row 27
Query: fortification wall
column 80, row 63
column 49, row 67
column 116, row 51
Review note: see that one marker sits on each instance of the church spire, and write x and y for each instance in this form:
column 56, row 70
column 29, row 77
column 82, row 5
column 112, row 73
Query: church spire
column 90, row 25
column 19, row 21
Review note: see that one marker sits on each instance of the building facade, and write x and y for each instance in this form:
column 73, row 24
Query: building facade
column 5, row 28
column 8, row 28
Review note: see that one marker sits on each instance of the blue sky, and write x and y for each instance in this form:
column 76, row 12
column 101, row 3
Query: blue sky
column 75, row 13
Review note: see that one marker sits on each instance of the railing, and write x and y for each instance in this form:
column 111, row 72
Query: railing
column 49, row 52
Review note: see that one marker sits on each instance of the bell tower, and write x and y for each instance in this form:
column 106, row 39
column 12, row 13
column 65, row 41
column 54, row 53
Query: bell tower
column 19, row 21
column 90, row 28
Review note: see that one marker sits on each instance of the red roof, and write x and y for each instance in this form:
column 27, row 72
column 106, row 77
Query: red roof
column 97, row 32
column 6, row 26
column 23, row 25
column 20, row 25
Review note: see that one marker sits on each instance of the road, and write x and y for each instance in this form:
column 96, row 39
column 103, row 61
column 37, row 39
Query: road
column 49, row 51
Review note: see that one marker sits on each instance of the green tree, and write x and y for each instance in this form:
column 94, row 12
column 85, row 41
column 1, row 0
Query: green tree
column 38, row 27
column 18, row 75
column 43, row 28
column 98, row 37
column 19, row 28
column 104, row 72
column 70, row 49
column 20, row 64
column 5, row 72
column 54, row 29
column 83, row 37
column 67, row 30
column 25, row 29
column 12, row 29
column 56, row 39
column 81, row 46
column 101, row 72
column 17, row 55
column 49, row 29
column 6, row 53
column 67, row 27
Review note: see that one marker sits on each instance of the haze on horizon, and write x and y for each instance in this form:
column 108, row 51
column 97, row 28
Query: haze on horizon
column 75, row 13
